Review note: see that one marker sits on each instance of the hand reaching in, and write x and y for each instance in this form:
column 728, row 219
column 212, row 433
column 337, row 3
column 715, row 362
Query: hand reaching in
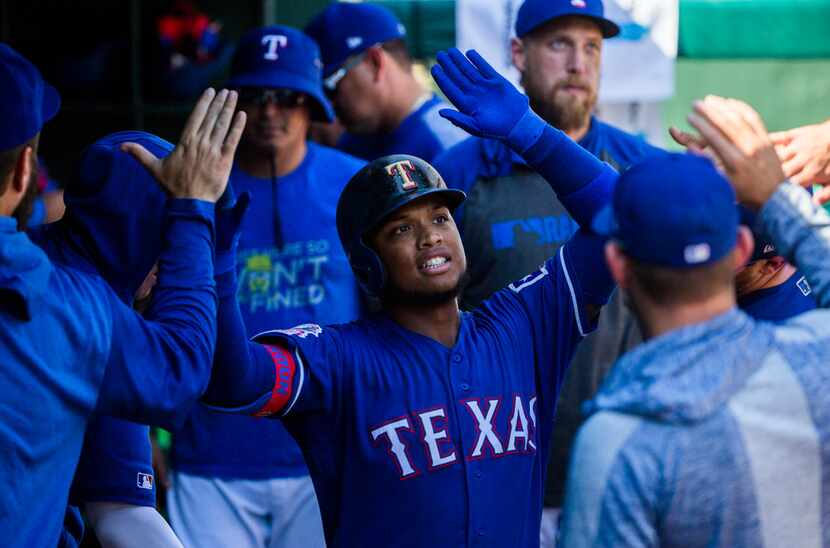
column 805, row 152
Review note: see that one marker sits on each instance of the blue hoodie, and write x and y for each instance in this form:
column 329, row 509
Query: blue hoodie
column 69, row 344
column 715, row 434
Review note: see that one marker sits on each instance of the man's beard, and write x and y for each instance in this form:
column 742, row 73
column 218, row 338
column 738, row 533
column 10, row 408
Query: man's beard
column 563, row 111
column 392, row 294
column 24, row 209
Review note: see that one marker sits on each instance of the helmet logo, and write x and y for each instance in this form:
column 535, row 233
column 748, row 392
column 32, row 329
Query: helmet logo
column 404, row 170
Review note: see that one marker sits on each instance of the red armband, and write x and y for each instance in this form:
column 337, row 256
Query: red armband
column 285, row 367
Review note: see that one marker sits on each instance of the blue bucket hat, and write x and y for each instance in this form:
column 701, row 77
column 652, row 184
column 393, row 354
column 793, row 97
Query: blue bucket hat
column 27, row 102
column 345, row 29
column 672, row 210
column 282, row 57
column 534, row 13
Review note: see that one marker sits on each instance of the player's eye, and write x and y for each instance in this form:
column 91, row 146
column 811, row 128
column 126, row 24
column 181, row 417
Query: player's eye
column 558, row 44
column 592, row 48
column 401, row 229
column 441, row 219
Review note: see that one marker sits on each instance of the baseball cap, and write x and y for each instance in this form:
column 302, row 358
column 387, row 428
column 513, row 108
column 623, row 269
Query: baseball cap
column 346, row 29
column 673, row 210
column 26, row 100
column 764, row 248
column 533, row 13
column 278, row 56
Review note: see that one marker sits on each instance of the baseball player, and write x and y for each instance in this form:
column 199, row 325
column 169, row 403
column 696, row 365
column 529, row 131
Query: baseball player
column 422, row 425
column 713, row 432
column 368, row 75
column 98, row 352
column 292, row 270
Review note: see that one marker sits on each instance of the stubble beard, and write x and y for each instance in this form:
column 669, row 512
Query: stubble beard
column 392, row 294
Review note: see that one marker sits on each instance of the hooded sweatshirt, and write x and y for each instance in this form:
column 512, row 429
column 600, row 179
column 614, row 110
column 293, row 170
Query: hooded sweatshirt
column 715, row 434
column 69, row 344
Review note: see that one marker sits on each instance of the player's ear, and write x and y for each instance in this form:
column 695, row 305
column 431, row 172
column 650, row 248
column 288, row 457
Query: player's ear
column 617, row 264
column 744, row 246
column 23, row 170
column 517, row 53
column 377, row 60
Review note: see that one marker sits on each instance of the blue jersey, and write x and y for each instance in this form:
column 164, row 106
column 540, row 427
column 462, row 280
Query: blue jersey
column 423, row 445
column 307, row 279
column 780, row 303
column 424, row 133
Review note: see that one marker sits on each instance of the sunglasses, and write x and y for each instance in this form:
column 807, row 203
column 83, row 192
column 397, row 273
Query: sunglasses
column 284, row 98
column 330, row 83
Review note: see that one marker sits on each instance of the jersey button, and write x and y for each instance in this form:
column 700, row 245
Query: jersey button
column 465, row 387
column 456, row 358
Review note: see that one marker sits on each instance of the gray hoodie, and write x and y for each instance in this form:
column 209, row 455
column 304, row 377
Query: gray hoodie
column 717, row 434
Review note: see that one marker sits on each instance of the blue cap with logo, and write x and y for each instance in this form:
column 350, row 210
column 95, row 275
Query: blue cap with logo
column 764, row 248
column 672, row 210
column 345, row 29
column 534, row 13
column 26, row 100
column 281, row 57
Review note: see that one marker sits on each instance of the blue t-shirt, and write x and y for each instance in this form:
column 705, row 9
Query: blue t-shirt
column 424, row 133
column 780, row 303
column 307, row 280
column 425, row 445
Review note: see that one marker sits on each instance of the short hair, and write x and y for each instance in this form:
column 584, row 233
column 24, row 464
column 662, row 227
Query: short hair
column 8, row 160
column 399, row 51
column 673, row 286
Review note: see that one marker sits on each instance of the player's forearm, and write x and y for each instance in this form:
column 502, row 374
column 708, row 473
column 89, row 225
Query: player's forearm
column 243, row 373
column 160, row 365
column 801, row 233
column 581, row 181
column 124, row 526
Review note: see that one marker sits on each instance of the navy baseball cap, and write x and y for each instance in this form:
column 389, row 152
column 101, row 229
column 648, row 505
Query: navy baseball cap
column 26, row 100
column 346, row 29
column 534, row 13
column 764, row 248
column 672, row 210
column 281, row 57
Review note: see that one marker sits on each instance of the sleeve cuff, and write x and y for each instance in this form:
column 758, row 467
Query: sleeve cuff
column 526, row 132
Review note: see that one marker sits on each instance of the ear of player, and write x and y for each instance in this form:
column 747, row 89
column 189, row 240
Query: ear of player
column 375, row 192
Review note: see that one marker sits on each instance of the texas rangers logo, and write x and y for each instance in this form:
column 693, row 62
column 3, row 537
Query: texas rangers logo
column 404, row 170
column 272, row 43
column 578, row 3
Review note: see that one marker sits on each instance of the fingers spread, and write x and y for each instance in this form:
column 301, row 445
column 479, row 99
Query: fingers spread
column 482, row 65
column 465, row 66
column 452, row 72
column 453, row 92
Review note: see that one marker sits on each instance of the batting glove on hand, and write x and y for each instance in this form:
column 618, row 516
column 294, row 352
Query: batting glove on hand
column 228, row 229
column 488, row 104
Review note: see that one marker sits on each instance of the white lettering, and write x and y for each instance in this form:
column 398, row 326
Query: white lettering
column 485, row 428
column 431, row 437
column 273, row 42
column 531, row 409
column 518, row 425
column 396, row 447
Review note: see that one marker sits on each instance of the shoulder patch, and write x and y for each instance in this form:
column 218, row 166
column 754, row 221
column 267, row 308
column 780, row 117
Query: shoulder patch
column 804, row 286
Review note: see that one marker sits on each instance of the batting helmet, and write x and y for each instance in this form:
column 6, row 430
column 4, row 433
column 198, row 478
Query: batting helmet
column 371, row 195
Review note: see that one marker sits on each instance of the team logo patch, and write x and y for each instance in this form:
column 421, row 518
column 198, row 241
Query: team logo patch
column 578, row 3
column 404, row 170
column 354, row 41
column 272, row 43
column 302, row 331
column 804, row 286
column 145, row 481
column 696, row 254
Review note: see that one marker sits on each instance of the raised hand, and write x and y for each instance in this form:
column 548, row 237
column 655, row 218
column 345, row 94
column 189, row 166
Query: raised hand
column 200, row 164
column 488, row 104
column 736, row 133
column 805, row 152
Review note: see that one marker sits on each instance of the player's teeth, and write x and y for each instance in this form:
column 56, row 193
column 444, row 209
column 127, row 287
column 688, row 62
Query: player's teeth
column 435, row 262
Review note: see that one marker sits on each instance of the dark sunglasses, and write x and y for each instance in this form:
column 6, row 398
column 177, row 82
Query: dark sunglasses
column 285, row 98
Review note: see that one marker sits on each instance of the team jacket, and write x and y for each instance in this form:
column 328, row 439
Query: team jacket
column 69, row 345
column 715, row 434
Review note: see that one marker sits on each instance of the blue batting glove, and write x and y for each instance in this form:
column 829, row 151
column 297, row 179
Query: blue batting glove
column 228, row 229
column 488, row 104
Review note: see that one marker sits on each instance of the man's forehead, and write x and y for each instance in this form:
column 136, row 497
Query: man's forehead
column 570, row 25
column 425, row 204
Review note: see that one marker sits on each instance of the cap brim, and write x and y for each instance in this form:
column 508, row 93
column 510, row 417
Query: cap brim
column 605, row 222
column 608, row 28
column 282, row 80
column 454, row 198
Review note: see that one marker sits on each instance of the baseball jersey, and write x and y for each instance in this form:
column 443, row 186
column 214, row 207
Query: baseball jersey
column 424, row 133
column 780, row 303
column 417, row 444
column 511, row 221
column 308, row 279
column 98, row 354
